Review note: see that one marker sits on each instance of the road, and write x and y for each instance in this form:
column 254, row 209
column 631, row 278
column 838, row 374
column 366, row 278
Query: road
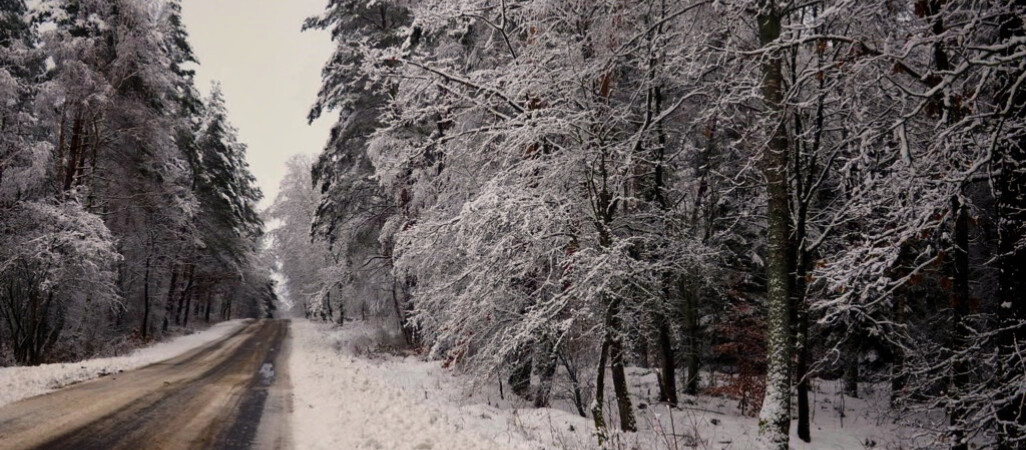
column 230, row 394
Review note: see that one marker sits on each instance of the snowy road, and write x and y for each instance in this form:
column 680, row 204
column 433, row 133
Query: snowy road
column 232, row 393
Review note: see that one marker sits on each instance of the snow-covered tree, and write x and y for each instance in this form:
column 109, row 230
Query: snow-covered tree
column 100, row 144
column 302, row 259
column 358, row 216
column 558, row 175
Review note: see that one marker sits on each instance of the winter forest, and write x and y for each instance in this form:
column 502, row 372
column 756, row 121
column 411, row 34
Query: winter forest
column 745, row 197
column 126, row 207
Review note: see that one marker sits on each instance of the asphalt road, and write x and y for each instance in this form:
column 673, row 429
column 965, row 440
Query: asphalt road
column 229, row 394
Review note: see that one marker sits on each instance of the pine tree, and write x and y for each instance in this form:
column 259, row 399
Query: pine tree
column 224, row 186
column 357, row 215
column 100, row 144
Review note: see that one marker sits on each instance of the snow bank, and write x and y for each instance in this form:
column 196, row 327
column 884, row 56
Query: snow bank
column 17, row 383
column 344, row 401
column 345, row 398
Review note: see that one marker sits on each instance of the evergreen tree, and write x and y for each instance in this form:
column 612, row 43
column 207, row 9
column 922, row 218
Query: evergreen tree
column 224, row 186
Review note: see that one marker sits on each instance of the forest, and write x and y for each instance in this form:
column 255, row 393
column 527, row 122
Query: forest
column 127, row 209
column 745, row 195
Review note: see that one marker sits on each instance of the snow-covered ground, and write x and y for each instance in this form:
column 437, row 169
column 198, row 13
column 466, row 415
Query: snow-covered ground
column 347, row 398
column 344, row 401
column 17, row 383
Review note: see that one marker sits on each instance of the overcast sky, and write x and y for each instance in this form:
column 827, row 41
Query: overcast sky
column 269, row 71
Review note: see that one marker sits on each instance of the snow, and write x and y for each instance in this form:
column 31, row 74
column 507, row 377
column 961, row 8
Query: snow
column 18, row 383
column 344, row 401
column 346, row 397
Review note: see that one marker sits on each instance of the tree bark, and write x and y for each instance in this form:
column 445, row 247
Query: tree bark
column 145, row 328
column 226, row 309
column 612, row 329
column 341, row 310
column 1010, row 187
column 186, row 292
column 597, row 406
column 405, row 328
column 623, row 400
column 775, row 416
column 169, row 305
column 667, row 362
column 327, row 304
column 802, row 373
column 643, row 360
column 898, row 380
column 545, row 366
column 692, row 344
column 71, row 162
column 520, row 375
column 851, row 373
column 960, row 310
column 571, row 374
column 206, row 309
column 800, row 310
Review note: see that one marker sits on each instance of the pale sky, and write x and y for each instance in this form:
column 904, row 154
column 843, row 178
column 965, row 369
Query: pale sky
column 269, row 71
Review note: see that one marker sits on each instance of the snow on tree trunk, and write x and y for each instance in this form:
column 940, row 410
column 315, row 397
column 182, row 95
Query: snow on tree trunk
column 775, row 416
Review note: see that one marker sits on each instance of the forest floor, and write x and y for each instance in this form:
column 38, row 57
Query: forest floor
column 348, row 396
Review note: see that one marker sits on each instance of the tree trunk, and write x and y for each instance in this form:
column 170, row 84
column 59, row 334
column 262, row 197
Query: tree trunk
column 667, row 357
column 71, row 162
column 226, row 309
column 327, row 305
column 802, row 373
column 613, row 350
column 520, row 375
column 800, row 310
column 185, row 292
column 597, row 406
column 206, row 309
column 188, row 300
column 898, row 380
column 545, row 366
column 667, row 362
column 169, row 306
column 775, row 416
column 400, row 317
column 145, row 328
column 1010, row 187
column 612, row 329
column 643, row 361
column 48, row 331
column 960, row 310
column 341, row 310
column 575, row 383
column 623, row 400
column 692, row 344
column 851, row 373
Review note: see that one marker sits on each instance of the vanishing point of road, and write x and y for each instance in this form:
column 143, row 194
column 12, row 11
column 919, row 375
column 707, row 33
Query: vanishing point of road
column 229, row 394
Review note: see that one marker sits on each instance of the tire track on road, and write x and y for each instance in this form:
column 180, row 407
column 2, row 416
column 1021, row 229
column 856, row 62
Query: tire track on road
column 212, row 397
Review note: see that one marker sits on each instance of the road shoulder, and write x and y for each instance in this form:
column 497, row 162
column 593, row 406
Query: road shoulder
column 18, row 383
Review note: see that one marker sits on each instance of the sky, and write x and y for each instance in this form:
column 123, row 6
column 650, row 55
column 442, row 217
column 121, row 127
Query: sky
column 270, row 74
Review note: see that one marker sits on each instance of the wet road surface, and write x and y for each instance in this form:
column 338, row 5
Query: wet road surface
column 230, row 394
